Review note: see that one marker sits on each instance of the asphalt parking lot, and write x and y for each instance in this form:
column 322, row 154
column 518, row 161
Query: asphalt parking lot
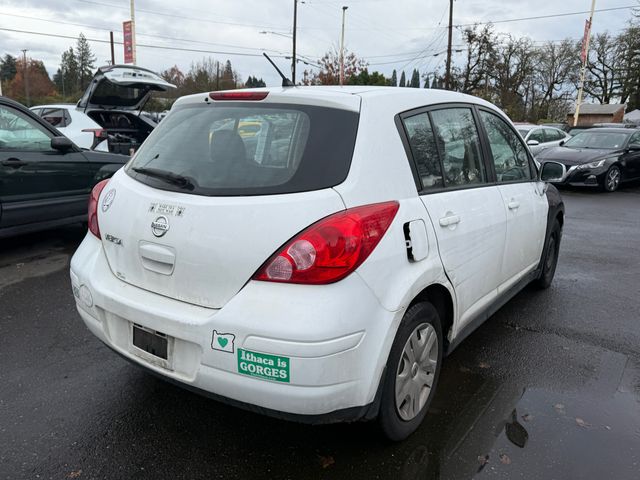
column 548, row 388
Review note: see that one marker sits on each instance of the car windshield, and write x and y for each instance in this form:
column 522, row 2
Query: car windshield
column 599, row 140
column 248, row 149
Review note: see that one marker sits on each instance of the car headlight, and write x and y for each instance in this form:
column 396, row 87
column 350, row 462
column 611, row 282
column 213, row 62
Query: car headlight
column 597, row 164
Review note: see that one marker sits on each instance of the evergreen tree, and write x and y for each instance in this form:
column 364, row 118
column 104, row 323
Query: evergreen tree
column 415, row 79
column 426, row 81
column 86, row 62
column 259, row 82
column 403, row 80
column 67, row 77
column 394, row 79
column 8, row 68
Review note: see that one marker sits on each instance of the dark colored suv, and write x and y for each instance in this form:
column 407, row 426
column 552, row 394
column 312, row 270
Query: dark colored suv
column 45, row 179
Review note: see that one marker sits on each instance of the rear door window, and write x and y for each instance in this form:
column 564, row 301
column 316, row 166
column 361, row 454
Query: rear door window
column 537, row 135
column 57, row 117
column 553, row 135
column 248, row 149
column 423, row 146
column 458, row 142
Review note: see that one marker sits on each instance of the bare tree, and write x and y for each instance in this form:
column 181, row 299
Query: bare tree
column 604, row 78
column 481, row 50
column 556, row 69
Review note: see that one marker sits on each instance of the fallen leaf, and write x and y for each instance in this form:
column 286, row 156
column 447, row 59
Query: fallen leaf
column 465, row 369
column 527, row 417
column 483, row 460
column 483, row 365
column 559, row 407
column 582, row 423
column 327, row 461
column 607, row 427
column 75, row 474
column 504, row 459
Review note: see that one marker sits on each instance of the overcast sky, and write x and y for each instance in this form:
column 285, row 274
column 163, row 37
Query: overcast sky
column 400, row 34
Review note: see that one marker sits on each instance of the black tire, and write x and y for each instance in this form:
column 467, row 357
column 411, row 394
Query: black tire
column 549, row 257
column 393, row 426
column 611, row 180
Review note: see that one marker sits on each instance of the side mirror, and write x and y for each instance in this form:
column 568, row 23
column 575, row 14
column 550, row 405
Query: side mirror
column 62, row 144
column 561, row 143
column 553, row 172
column 533, row 143
column 634, row 146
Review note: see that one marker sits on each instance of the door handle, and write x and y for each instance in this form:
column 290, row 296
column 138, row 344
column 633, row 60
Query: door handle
column 449, row 220
column 13, row 162
column 513, row 205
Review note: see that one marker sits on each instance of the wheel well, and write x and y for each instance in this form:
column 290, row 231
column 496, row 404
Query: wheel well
column 441, row 299
column 560, row 218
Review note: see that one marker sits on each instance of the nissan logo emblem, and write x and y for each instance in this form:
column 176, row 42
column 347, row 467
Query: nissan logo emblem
column 160, row 226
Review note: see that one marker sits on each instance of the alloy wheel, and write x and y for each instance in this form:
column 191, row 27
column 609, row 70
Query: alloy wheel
column 613, row 179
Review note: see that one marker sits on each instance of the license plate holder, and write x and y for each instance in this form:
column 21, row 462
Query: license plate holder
column 155, row 347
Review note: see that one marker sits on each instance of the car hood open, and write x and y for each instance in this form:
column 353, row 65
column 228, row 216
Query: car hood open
column 122, row 87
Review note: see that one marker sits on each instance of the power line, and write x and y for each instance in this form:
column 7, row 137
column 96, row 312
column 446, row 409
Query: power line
column 158, row 47
column 182, row 17
column 139, row 34
column 541, row 17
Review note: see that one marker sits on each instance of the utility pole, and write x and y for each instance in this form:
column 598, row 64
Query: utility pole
column 447, row 79
column 113, row 56
column 295, row 27
column 133, row 31
column 344, row 12
column 25, row 75
column 585, row 58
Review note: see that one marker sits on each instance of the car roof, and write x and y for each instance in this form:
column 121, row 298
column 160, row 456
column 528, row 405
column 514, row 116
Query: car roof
column 349, row 97
column 55, row 105
column 611, row 130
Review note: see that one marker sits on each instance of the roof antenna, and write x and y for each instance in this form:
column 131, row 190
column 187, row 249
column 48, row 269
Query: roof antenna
column 285, row 81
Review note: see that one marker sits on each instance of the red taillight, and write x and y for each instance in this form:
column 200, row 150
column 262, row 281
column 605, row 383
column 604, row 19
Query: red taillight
column 97, row 132
column 332, row 248
column 238, row 95
column 92, row 217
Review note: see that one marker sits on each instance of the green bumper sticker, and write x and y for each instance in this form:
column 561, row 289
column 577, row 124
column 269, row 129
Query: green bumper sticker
column 262, row 365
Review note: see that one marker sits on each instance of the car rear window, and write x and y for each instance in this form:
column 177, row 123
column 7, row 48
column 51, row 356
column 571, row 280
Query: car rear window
column 249, row 149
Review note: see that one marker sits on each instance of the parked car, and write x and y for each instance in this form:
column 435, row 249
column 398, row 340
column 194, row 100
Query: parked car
column 75, row 125
column 540, row 138
column 109, row 116
column 45, row 179
column 599, row 157
column 321, row 269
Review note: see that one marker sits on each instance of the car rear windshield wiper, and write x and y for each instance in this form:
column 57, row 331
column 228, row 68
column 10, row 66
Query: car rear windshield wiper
column 170, row 177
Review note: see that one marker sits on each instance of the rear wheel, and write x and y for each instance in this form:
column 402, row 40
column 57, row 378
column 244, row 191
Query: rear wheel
column 550, row 257
column 612, row 179
column 412, row 373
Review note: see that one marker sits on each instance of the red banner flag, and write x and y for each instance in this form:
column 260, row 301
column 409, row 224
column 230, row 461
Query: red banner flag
column 127, row 33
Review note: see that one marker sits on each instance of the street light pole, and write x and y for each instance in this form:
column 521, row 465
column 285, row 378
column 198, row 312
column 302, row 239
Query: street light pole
column 447, row 79
column 25, row 74
column 344, row 11
column 295, row 25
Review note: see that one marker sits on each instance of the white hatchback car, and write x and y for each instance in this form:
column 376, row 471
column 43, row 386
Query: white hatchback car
column 320, row 269
column 75, row 125
column 540, row 137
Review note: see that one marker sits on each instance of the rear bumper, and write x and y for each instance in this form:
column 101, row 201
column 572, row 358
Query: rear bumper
column 335, row 338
